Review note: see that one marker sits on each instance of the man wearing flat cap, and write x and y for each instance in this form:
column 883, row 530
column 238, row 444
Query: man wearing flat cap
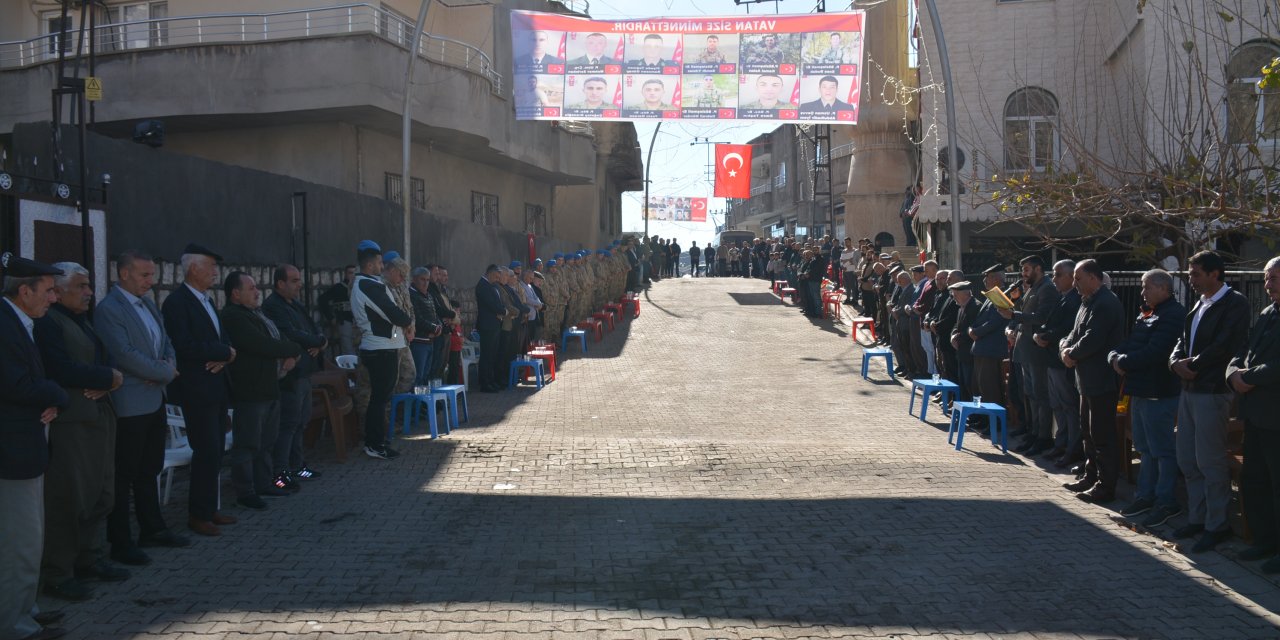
column 990, row 347
column 203, row 386
column 29, row 401
column 966, row 312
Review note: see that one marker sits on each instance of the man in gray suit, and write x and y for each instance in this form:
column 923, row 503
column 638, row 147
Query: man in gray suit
column 130, row 326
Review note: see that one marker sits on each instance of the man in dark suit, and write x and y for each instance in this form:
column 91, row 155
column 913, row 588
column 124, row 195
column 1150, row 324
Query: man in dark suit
column 1098, row 328
column 1255, row 374
column 827, row 102
column 202, row 387
column 1213, row 333
column 28, row 403
column 1041, row 297
column 966, row 311
column 79, row 482
column 942, row 321
column 990, row 347
column 1064, row 397
column 490, row 310
column 130, row 326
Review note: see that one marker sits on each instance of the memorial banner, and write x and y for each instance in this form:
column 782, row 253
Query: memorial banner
column 802, row 68
column 677, row 209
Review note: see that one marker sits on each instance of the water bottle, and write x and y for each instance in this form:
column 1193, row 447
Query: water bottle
column 977, row 400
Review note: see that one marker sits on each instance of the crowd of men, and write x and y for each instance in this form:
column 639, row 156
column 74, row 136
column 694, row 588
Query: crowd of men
column 1075, row 358
column 84, row 390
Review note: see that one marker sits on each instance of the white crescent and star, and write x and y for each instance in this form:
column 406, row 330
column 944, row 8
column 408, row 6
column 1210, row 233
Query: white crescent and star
column 724, row 162
column 699, row 205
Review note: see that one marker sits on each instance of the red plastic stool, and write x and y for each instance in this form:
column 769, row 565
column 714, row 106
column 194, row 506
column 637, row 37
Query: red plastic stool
column 831, row 303
column 594, row 325
column 634, row 303
column 602, row 317
column 549, row 357
column 614, row 308
column 864, row 321
column 787, row 291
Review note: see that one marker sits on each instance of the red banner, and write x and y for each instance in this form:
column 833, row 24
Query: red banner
column 677, row 209
column 733, row 171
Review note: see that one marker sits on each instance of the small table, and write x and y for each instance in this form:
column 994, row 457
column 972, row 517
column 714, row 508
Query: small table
column 927, row 387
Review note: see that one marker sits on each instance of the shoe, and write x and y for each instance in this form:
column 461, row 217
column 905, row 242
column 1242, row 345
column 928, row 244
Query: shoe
column 163, row 538
column 1018, row 433
column 1024, row 446
column 284, row 482
column 1138, row 507
column 1054, row 453
column 1256, row 552
column 132, row 556
column 104, row 571
column 45, row 618
column 1161, row 515
column 220, row 519
column 1188, row 530
column 1210, row 539
column 47, row 633
column 1096, row 496
column 252, row 502
column 1083, row 484
column 392, row 454
column 1079, row 470
column 271, row 492
column 381, row 452
column 306, row 473
column 70, row 589
column 1271, row 566
column 203, row 527
column 1040, row 447
column 1063, row 462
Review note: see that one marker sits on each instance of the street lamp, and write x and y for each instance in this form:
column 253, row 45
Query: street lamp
column 648, row 162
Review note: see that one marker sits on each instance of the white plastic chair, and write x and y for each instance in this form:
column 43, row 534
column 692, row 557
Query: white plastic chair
column 469, row 360
column 177, row 453
column 347, row 362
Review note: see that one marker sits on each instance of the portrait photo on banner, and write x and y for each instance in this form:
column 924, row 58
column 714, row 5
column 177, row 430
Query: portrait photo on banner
column 652, row 53
column 649, row 96
column 594, row 52
column 538, row 51
column 592, row 95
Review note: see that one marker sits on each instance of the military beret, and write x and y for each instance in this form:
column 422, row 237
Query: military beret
column 390, row 255
column 366, row 245
column 197, row 250
column 552, row 263
column 557, row 256
column 515, row 264
column 19, row 267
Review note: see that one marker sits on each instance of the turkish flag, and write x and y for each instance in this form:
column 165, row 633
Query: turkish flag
column 733, row 171
column 698, row 210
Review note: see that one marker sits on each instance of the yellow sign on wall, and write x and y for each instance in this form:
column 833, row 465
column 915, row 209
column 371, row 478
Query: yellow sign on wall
column 92, row 89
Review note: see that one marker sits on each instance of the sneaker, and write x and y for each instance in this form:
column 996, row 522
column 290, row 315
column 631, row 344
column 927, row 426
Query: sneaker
column 285, row 482
column 382, row 453
column 1137, row 507
column 306, row 473
column 1161, row 515
column 392, row 454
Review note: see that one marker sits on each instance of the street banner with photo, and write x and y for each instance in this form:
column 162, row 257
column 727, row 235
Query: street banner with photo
column 797, row 68
column 677, row 209
column 733, row 171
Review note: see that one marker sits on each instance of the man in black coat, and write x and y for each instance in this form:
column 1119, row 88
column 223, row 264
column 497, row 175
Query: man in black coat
column 1143, row 360
column 203, row 386
column 1064, row 396
column 942, row 321
column 1214, row 332
column 1098, row 328
column 490, row 310
column 29, row 402
column 448, row 318
column 1255, row 374
column 966, row 310
column 284, row 307
column 1041, row 297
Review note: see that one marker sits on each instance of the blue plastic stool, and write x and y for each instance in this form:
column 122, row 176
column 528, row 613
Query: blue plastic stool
column 868, row 354
column 453, row 395
column 947, row 388
column 960, row 412
column 410, row 413
column 569, row 333
column 524, row 363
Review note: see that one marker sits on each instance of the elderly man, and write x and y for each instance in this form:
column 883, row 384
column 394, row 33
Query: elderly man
column 535, row 304
column 1143, row 361
column 900, row 342
column 1064, row 397
column 1040, row 299
column 966, row 312
column 263, row 358
column 989, row 344
column 926, row 292
column 1098, row 328
column 1254, row 373
column 284, row 308
column 427, row 325
column 129, row 324
column 79, row 483
column 29, row 402
column 202, row 387
column 1213, row 332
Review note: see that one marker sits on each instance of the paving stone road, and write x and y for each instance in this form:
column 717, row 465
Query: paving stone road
column 714, row 469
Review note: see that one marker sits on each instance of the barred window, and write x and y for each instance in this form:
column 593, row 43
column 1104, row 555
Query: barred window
column 535, row 219
column 484, row 208
column 1030, row 130
column 417, row 187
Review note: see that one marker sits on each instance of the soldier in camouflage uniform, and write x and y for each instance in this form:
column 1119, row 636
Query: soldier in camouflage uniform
column 553, row 298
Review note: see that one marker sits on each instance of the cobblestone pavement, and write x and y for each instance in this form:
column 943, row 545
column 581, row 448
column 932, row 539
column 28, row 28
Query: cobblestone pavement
column 714, row 469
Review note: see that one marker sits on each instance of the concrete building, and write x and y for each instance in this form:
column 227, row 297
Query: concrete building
column 1110, row 86
column 311, row 90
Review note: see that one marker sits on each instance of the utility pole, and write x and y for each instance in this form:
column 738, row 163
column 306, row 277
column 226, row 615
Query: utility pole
column 405, row 132
column 711, row 165
column 822, row 163
column 953, row 149
column 74, row 85
column 648, row 162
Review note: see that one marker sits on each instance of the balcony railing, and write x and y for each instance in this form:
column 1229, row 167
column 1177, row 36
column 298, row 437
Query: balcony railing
column 223, row 28
column 576, row 6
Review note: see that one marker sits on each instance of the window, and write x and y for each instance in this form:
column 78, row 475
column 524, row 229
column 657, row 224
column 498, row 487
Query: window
column 913, row 35
column 535, row 219
column 62, row 34
column 395, row 26
column 417, row 188
column 1030, row 130
column 1252, row 113
column 131, row 30
column 484, row 208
